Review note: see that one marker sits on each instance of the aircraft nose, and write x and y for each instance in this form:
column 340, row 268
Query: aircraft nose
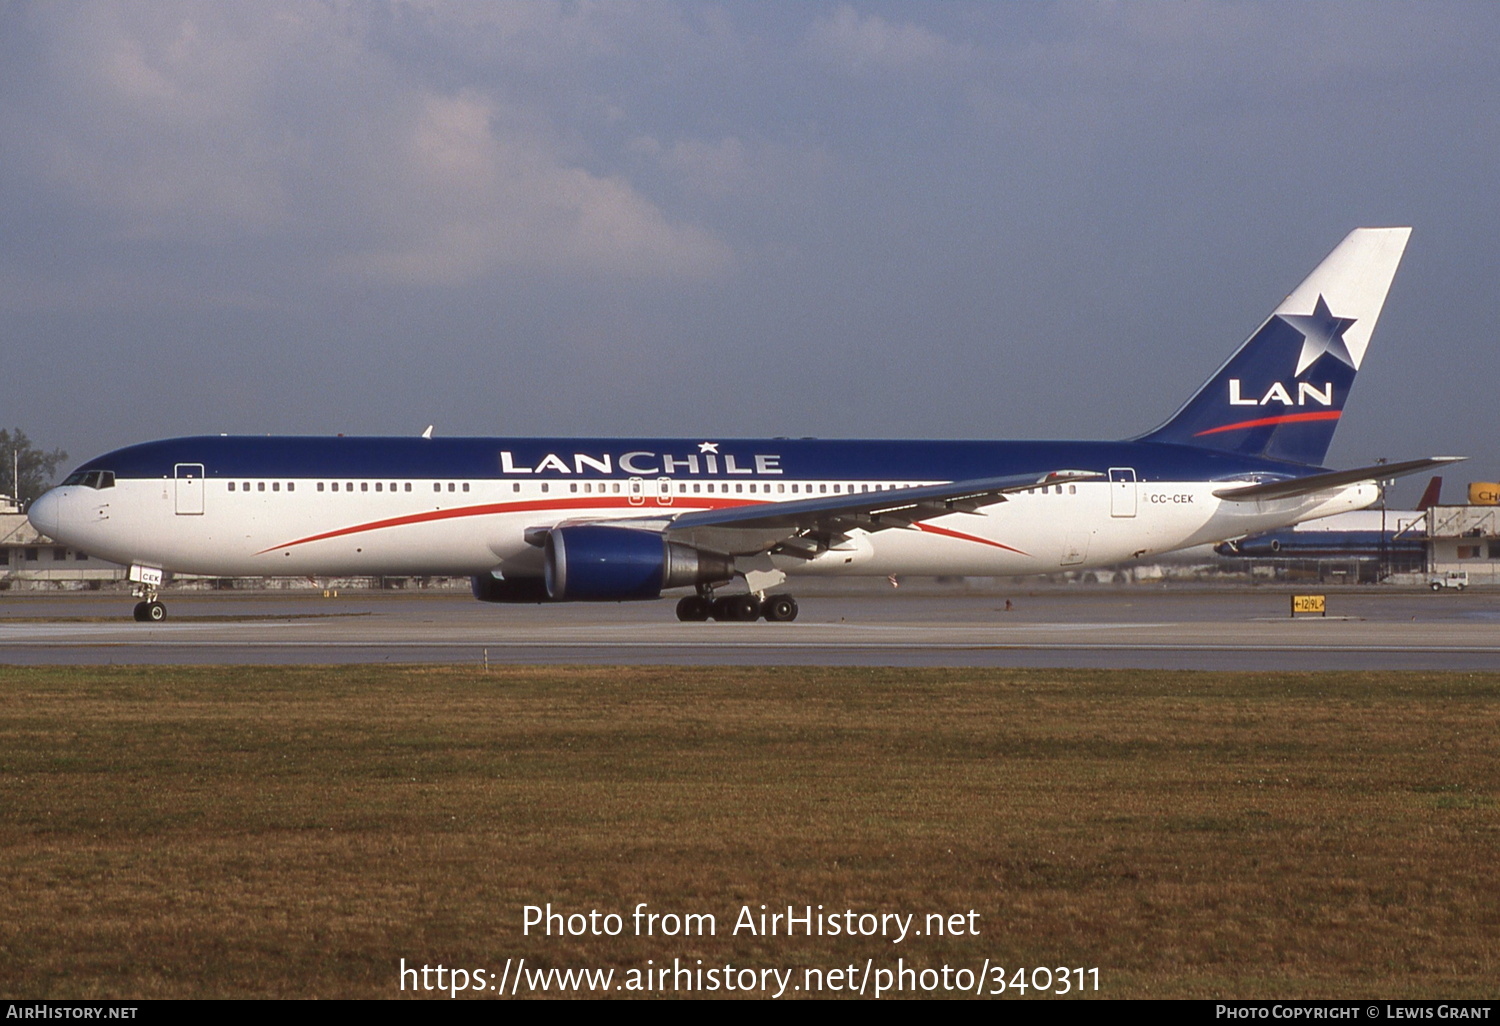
column 44, row 513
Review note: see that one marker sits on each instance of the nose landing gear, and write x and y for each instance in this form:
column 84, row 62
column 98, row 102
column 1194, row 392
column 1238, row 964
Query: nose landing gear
column 150, row 612
column 147, row 581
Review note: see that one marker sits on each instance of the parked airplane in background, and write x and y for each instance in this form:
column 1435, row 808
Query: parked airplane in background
column 566, row 519
column 1395, row 536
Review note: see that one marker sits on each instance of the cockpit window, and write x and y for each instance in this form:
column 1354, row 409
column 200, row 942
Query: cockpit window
column 91, row 478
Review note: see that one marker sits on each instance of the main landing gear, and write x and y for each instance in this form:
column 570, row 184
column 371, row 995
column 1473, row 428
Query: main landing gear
column 742, row 608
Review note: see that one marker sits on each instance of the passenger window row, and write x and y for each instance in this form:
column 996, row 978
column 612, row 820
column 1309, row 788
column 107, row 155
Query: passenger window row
column 725, row 488
column 347, row 486
column 587, row 487
column 260, row 486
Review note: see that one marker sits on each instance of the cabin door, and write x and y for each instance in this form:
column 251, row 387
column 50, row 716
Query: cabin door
column 1121, row 491
column 189, row 489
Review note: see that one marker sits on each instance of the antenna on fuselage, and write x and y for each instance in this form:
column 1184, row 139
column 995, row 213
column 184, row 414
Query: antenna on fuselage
column 428, row 432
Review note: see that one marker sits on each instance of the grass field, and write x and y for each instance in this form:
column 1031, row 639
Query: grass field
column 249, row 831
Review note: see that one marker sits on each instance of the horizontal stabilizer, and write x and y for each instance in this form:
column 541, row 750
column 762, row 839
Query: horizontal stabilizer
column 1332, row 479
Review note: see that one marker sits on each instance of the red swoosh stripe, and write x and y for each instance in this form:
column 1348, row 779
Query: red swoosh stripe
column 930, row 529
column 1290, row 418
column 552, row 505
column 488, row 509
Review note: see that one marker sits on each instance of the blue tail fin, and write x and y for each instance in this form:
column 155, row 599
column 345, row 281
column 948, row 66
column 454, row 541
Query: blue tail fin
column 1281, row 394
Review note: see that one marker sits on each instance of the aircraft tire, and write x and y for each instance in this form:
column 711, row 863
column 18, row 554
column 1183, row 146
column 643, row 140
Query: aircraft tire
column 693, row 609
column 780, row 609
column 736, row 608
column 140, row 612
column 156, row 612
column 746, row 608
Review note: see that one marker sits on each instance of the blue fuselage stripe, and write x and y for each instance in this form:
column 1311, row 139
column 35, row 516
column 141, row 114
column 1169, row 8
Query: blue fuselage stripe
column 532, row 459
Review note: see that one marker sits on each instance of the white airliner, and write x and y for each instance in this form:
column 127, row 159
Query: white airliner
column 573, row 519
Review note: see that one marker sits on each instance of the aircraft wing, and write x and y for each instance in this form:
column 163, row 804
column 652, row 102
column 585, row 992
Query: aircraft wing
column 1332, row 479
column 804, row 527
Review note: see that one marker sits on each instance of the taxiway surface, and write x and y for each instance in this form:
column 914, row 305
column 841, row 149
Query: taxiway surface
column 1129, row 627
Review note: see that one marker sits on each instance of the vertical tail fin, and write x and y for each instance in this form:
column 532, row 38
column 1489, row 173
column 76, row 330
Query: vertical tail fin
column 1432, row 495
column 1281, row 394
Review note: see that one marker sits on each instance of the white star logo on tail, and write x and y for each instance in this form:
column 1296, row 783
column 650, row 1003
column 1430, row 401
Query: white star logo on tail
column 1321, row 333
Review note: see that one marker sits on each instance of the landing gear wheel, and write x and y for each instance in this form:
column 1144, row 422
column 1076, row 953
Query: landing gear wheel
column 746, row 608
column 780, row 609
column 693, row 608
column 739, row 608
column 150, row 612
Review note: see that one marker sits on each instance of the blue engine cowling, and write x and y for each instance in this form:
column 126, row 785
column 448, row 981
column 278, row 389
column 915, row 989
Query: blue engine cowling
column 488, row 588
column 594, row 563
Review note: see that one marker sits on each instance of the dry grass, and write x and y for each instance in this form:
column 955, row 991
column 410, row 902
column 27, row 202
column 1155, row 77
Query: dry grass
column 173, row 832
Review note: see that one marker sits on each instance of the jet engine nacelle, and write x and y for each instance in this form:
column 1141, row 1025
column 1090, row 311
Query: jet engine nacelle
column 488, row 588
column 594, row 563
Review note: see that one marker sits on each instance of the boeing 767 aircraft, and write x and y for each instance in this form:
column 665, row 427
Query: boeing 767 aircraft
column 583, row 519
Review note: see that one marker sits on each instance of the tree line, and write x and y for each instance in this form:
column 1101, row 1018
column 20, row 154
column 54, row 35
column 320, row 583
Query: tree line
column 27, row 470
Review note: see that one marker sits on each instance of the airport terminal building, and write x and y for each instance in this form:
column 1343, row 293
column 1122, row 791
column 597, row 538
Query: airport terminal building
column 29, row 559
column 1465, row 539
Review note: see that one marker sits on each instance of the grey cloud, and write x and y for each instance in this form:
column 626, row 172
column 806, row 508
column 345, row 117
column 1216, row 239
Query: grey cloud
column 868, row 42
column 194, row 122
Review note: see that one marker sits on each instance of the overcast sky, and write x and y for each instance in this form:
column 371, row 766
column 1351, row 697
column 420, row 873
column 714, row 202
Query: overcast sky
column 957, row 220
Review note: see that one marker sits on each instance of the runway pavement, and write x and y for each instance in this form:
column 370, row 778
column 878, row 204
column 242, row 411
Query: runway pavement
column 1123, row 627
